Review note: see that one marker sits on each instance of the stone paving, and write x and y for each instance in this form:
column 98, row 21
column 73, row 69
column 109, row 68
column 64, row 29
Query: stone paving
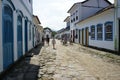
column 72, row 62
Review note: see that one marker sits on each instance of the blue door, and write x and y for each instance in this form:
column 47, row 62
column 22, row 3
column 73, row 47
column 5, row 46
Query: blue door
column 19, row 36
column 26, row 36
column 7, row 36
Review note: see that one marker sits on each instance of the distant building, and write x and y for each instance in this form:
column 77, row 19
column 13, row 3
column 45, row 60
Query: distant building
column 47, row 32
column 15, row 30
column 37, row 31
column 60, row 33
column 96, row 23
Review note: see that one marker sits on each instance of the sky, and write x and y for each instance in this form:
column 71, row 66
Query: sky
column 52, row 13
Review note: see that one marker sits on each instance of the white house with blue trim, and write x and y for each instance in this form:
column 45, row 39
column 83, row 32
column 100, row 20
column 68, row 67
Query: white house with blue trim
column 15, row 30
column 96, row 23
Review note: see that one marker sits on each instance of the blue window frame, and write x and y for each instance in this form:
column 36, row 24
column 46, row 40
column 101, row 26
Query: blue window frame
column 29, row 31
column 93, row 32
column 100, row 32
column 109, row 31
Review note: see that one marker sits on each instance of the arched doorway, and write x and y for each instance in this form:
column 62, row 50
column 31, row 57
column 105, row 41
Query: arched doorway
column 7, row 26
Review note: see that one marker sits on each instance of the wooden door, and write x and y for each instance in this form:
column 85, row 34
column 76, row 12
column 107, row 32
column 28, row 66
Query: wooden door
column 87, row 36
column 82, row 36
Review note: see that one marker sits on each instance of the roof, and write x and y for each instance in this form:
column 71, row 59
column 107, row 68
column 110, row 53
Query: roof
column 67, row 18
column 85, row 2
column 37, row 18
column 104, row 0
column 47, row 28
column 73, row 6
column 61, row 30
column 99, row 12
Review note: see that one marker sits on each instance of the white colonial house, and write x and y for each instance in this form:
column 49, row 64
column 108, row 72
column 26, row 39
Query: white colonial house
column 15, row 30
column 47, row 32
column 95, row 23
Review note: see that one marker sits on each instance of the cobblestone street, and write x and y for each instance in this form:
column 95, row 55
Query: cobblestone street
column 70, row 62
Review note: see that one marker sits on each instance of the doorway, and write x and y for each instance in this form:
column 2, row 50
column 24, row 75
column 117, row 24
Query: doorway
column 19, row 36
column 7, row 18
column 87, row 36
column 26, row 36
column 82, row 36
column 79, row 36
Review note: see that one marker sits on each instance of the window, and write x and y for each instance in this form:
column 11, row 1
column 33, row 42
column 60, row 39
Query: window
column 76, row 17
column 109, row 31
column 93, row 32
column 29, row 31
column 99, row 31
column 29, row 1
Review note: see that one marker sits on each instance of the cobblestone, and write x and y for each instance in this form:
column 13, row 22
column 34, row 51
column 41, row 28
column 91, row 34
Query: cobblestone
column 72, row 62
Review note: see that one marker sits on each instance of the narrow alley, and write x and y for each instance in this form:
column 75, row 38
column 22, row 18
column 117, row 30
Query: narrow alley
column 70, row 62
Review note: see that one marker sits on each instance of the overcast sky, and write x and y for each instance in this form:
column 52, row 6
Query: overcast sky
column 53, row 12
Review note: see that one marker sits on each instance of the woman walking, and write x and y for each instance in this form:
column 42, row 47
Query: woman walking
column 53, row 42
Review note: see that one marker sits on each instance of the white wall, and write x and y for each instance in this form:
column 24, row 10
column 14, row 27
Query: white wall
column 19, row 6
column 1, row 55
column 28, row 4
column 27, row 12
column 101, row 18
column 29, row 41
column 15, row 35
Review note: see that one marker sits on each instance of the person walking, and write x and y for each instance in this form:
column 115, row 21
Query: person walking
column 53, row 42
column 48, row 39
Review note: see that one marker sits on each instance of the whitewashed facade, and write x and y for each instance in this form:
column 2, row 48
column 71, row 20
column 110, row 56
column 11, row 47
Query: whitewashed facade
column 87, row 16
column 102, row 18
column 16, row 13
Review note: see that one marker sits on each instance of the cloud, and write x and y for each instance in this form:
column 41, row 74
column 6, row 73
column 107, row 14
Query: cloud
column 52, row 12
